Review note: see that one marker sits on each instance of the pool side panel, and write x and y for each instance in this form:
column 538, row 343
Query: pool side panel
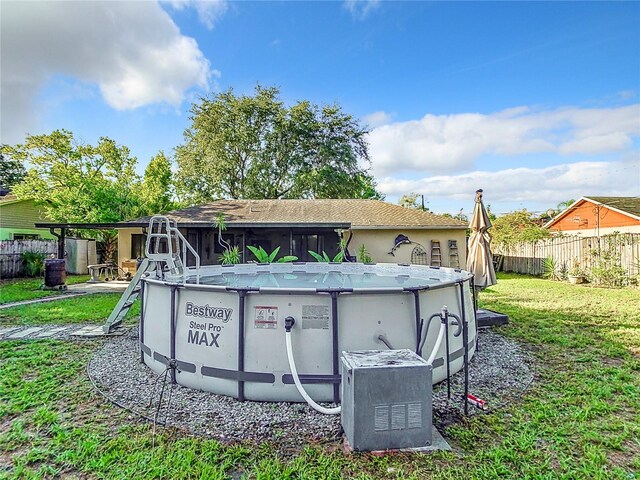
column 216, row 353
column 265, row 348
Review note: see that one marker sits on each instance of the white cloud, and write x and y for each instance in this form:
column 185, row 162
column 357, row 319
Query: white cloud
column 132, row 51
column 453, row 143
column 360, row 9
column 209, row 11
column 377, row 119
column 548, row 185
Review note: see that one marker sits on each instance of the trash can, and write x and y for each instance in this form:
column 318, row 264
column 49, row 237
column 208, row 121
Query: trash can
column 54, row 272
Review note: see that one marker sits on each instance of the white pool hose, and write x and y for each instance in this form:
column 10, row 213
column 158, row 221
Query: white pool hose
column 296, row 380
column 436, row 347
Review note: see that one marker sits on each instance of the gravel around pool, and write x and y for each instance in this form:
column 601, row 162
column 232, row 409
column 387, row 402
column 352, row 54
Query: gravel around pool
column 499, row 371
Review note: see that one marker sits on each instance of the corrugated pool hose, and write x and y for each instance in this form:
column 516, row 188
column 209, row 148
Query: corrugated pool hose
column 288, row 325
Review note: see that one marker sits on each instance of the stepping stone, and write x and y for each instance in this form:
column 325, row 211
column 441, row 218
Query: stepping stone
column 7, row 330
column 89, row 331
column 25, row 333
column 50, row 332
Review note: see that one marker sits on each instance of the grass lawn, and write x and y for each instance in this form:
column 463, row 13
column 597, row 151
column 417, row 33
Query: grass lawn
column 85, row 309
column 579, row 420
column 16, row 290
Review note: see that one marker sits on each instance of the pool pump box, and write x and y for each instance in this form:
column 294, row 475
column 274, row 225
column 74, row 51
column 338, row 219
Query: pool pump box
column 386, row 399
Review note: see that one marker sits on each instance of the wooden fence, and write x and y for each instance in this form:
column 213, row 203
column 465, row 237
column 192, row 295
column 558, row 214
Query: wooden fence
column 10, row 251
column 529, row 257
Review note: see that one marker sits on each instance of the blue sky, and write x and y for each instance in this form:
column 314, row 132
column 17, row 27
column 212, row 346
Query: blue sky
column 534, row 102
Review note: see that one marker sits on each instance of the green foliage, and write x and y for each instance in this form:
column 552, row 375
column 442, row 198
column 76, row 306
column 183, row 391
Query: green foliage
column 94, row 308
column 363, row 255
column 17, row 290
column 263, row 257
column 339, row 257
column 81, row 183
column 577, row 419
column 606, row 263
column 11, row 170
column 550, row 269
column 326, row 258
column 516, row 227
column 231, row 256
column 156, row 189
column 108, row 246
column 241, row 146
column 458, row 216
column 576, row 270
column 220, row 223
column 33, row 263
column 562, row 206
column 582, row 404
column 412, row 200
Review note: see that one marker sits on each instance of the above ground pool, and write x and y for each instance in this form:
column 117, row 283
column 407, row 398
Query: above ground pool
column 223, row 327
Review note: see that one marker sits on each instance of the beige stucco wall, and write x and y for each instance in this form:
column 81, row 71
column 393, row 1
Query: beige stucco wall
column 124, row 243
column 379, row 242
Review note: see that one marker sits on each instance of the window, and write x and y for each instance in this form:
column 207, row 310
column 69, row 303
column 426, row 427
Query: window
column 26, row 236
column 319, row 242
column 138, row 241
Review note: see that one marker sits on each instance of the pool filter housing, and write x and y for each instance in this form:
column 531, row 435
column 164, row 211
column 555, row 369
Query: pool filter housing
column 386, row 399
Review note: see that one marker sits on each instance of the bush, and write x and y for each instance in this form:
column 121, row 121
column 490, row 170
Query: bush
column 552, row 270
column 606, row 266
column 33, row 263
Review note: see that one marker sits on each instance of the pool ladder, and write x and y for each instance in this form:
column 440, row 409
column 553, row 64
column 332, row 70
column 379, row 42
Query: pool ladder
column 165, row 243
column 163, row 247
column 129, row 296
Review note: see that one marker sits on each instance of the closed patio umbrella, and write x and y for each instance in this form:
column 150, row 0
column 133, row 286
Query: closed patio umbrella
column 479, row 258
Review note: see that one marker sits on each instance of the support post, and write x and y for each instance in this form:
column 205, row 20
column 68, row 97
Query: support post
column 334, row 328
column 141, row 327
column 174, row 288
column 241, row 297
column 416, row 301
column 60, row 236
column 465, row 348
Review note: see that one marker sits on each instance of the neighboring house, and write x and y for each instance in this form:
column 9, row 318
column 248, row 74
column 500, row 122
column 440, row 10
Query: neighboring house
column 18, row 219
column 297, row 226
column 595, row 216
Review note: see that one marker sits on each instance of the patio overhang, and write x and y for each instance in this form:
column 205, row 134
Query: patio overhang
column 84, row 226
column 63, row 227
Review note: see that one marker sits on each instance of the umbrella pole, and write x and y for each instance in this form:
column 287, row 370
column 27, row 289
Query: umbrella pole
column 474, row 293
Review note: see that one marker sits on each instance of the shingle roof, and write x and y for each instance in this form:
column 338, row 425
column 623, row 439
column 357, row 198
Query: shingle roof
column 358, row 213
column 626, row 204
column 9, row 198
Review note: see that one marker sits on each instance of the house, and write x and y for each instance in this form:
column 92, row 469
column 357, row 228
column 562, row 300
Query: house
column 297, row 226
column 18, row 218
column 596, row 216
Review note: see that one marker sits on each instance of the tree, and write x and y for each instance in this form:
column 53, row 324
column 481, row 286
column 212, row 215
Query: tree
column 256, row 147
column 413, row 200
column 515, row 227
column 458, row 216
column 76, row 182
column 11, row 171
column 562, row 206
column 156, row 188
